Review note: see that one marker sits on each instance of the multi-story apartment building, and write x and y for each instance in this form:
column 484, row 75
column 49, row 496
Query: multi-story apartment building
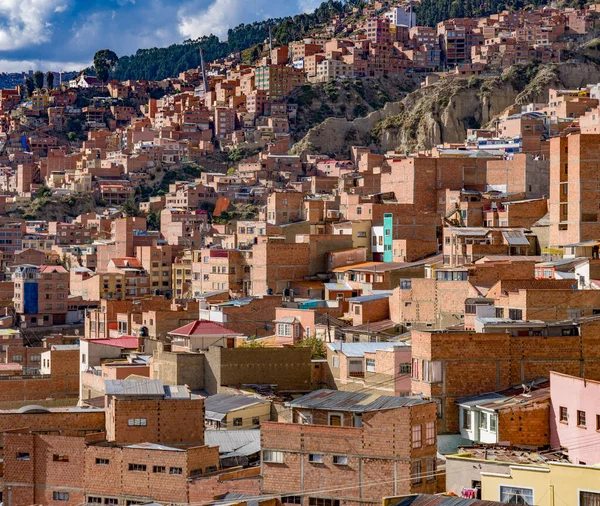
column 41, row 295
column 337, row 439
column 574, row 189
column 278, row 80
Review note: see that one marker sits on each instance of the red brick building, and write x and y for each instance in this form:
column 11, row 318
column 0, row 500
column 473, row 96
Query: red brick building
column 343, row 442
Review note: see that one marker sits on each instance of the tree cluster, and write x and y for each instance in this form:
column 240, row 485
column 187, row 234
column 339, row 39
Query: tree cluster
column 431, row 12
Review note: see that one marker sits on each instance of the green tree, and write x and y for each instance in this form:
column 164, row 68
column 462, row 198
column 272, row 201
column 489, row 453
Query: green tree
column 38, row 79
column 30, row 86
column 50, row 80
column 317, row 346
column 105, row 61
column 153, row 221
column 43, row 192
column 130, row 208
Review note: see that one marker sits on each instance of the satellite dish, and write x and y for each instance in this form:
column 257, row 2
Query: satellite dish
column 76, row 332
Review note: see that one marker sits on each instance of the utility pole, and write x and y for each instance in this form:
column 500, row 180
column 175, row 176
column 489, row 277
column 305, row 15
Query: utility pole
column 270, row 44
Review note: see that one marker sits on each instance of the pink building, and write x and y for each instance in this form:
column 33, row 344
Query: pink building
column 575, row 417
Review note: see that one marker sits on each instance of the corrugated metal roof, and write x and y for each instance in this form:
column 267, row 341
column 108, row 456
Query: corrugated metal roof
column 355, row 350
column 337, row 400
column 234, row 441
column 154, row 446
column 369, row 298
column 65, row 347
column 442, row 500
column 515, row 237
column 129, row 387
column 225, row 403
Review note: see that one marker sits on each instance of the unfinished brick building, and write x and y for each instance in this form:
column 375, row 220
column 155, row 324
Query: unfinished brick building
column 357, row 446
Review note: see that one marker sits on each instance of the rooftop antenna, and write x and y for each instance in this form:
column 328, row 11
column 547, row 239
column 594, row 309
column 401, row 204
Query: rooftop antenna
column 204, row 81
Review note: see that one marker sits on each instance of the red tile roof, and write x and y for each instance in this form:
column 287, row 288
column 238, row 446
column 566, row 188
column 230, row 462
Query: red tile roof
column 128, row 342
column 52, row 268
column 204, row 328
column 126, row 262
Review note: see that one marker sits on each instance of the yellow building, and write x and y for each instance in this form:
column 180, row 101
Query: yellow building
column 553, row 484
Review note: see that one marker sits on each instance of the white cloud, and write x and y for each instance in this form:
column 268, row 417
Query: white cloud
column 60, row 8
column 26, row 22
column 307, row 6
column 220, row 15
column 25, row 65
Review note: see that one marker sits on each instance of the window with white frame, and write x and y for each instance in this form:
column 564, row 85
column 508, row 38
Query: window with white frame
column 516, row 495
column 137, row 422
column 284, row 329
column 273, row 456
column 494, row 424
column 315, row 458
column 483, row 419
column 340, row 460
column 335, row 361
column 466, row 418
column 370, row 362
column 589, row 498
column 336, row 419
column 305, row 418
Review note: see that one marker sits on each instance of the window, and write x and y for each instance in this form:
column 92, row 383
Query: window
column 319, row 501
column 136, row 422
column 17, row 358
column 255, row 420
column 581, row 418
column 315, row 458
column 430, row 471
column 137, row 467
column 102, row 462
column 405, row 368
column 416, row 472
column 357, row 310
column 284, row 329
column 60, row 496
column 111, row 500
column 588, row 498
column 340, row 460
column 564, row 414
column 175, row 470
column 417, row 436
column 159, row 469
column 94, row 500
column 336, row 420
column 483, row 421
column 415, row 368
column 22, row 456
column 273, row 456
column 493, row 423
column 405, row 284
column 516, row 495
column 60, row 458
column 336, row 361
column 370, row 364
column 237, row 422
column 515, row 314
column 466, row 419
column 292, row 499
column 430, row 433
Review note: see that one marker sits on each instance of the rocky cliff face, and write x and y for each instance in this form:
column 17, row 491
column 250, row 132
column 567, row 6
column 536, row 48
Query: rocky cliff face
column 445, row 110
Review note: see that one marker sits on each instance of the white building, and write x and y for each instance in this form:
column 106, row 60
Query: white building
column 399, row 16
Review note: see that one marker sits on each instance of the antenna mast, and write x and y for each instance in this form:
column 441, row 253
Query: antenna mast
column 204, row 80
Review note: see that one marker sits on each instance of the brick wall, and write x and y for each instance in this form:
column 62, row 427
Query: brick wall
column 379, row 452
column 167, row 421
column 527, row 425
column 477, row 363
column 289, row 368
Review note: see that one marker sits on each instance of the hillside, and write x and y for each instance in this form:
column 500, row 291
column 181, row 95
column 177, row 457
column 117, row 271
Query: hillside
column 347, row 99
column 431, row 12
column 444, row 111
column 160, row 63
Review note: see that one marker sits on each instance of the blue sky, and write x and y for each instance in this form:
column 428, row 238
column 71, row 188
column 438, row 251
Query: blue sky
column 65, row 34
